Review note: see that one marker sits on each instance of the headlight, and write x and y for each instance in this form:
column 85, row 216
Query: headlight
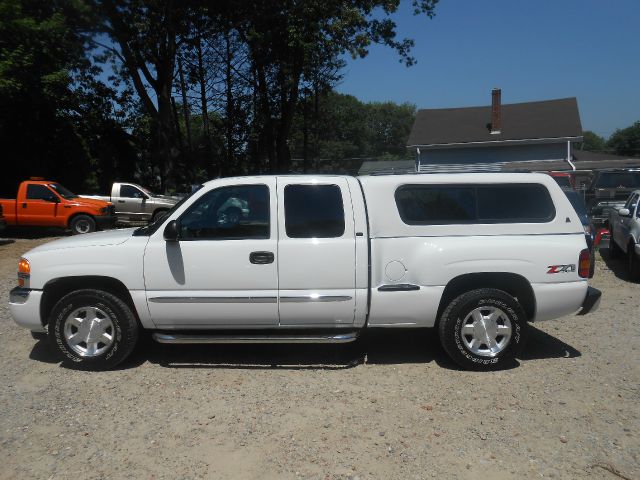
column 24, row 272
column 104, row 210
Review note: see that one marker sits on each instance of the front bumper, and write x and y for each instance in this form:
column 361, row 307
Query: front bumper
column 24, row 305
column 591, row 301
column 106, row 221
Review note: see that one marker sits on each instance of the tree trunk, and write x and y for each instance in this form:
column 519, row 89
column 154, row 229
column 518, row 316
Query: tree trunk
column 205, row 112
column 185, row 110
column 230, row 105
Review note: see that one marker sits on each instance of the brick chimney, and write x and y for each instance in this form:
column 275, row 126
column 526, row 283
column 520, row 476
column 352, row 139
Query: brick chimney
column 496, row 111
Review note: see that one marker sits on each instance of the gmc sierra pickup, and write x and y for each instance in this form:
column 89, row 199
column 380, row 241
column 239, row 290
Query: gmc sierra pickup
column 318, row 259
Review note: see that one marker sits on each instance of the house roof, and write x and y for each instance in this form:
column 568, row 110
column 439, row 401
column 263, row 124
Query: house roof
column 520, row 122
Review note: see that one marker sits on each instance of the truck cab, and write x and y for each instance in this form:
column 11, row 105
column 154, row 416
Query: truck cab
column 44, row 203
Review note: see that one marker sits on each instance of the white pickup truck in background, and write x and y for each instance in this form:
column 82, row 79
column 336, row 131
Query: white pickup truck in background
column 135, row 204
column 319, row 259
column 624, row 225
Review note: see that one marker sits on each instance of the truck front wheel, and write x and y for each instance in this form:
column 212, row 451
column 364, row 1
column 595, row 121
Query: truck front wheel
column 82, row 224
column 92, row 330
column 483, row 329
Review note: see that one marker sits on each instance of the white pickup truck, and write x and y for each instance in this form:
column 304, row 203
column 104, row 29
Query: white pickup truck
column 318, row 259
column 624, row 225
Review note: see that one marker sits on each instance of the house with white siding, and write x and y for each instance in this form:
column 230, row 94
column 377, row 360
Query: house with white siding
column 490, row 138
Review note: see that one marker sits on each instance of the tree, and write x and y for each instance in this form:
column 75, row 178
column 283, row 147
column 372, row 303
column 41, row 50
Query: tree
column 290, row 38
column 626, row 141
column 146, row 35
column 52, row 107
column 349, row 128
column 592, row 142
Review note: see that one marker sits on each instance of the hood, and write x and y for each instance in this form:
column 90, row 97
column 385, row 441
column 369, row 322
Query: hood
column 109, row 237
column 93, row 202
column 168, row 198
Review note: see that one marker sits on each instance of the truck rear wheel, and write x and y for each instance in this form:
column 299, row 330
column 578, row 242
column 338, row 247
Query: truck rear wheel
column 82, row 224
column 483, row 329
column 92, row 330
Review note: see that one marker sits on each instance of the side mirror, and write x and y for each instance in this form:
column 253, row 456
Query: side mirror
column 52, row 199
column 624, row 212
column 171, row 231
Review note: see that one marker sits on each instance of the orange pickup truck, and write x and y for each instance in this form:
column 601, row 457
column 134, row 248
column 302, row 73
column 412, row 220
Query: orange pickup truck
column 43, row 203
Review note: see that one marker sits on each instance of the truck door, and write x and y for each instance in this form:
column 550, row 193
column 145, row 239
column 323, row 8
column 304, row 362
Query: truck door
column 132, row 204
column 316, row 252
column 39, row 207
column 222, row 271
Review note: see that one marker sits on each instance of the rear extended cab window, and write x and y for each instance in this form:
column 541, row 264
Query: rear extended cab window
column 421, row 204
column 313, row 211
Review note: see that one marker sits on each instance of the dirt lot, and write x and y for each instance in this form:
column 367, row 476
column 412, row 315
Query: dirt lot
column 389, row 406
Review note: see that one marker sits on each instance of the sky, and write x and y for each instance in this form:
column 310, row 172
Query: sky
column 532, row 50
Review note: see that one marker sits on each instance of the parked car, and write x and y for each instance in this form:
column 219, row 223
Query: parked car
column 589, row 230
column 624, row 225
column 564, row 179
column 136, row 204
column 608, row 191
column 319, row 259
column 43, row 203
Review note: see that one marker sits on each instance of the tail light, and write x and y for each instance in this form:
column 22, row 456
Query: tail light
column 24, row 272
column 584, row 262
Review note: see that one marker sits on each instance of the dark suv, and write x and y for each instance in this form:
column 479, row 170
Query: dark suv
column 609, row 190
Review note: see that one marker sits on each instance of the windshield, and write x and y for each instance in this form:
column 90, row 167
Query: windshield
column 147, row 191
column 152, row 227
column 619, row 180
column 62, row 191
column 563, row 181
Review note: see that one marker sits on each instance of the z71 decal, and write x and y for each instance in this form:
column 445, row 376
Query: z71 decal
column 561, row 268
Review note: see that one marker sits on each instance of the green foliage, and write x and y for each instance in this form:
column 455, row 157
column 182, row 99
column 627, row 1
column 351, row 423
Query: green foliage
column 196, row 89
column 626, row 141
column 349, row 128
column 592, row 142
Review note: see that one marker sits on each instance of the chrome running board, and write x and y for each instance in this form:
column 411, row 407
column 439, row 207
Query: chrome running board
column 208, row 338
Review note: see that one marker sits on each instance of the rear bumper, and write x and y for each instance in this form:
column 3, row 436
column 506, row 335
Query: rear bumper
column 24, row 305
column 591, row 301
column 106, row 221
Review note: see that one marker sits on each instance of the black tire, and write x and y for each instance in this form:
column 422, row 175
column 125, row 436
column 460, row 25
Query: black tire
column 81, row 224
column 633, row 264
column 124, row 329
column 157, row 214
column 451, row 323
column 614, row 250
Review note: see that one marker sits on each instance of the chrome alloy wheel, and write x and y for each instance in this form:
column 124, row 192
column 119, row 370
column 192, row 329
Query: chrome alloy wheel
column 89, row 331
column 486, row 331
column 83, row 226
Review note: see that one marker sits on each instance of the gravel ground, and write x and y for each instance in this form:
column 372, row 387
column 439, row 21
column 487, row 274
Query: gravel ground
column 389, row 406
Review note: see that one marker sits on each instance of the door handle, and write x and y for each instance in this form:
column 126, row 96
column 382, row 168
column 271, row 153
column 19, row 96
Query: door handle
column 120, row 201
column 261, row 258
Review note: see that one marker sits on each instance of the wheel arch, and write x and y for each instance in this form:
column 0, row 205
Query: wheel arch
column 512, row 283
column 57, row 288
column 76, row 214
